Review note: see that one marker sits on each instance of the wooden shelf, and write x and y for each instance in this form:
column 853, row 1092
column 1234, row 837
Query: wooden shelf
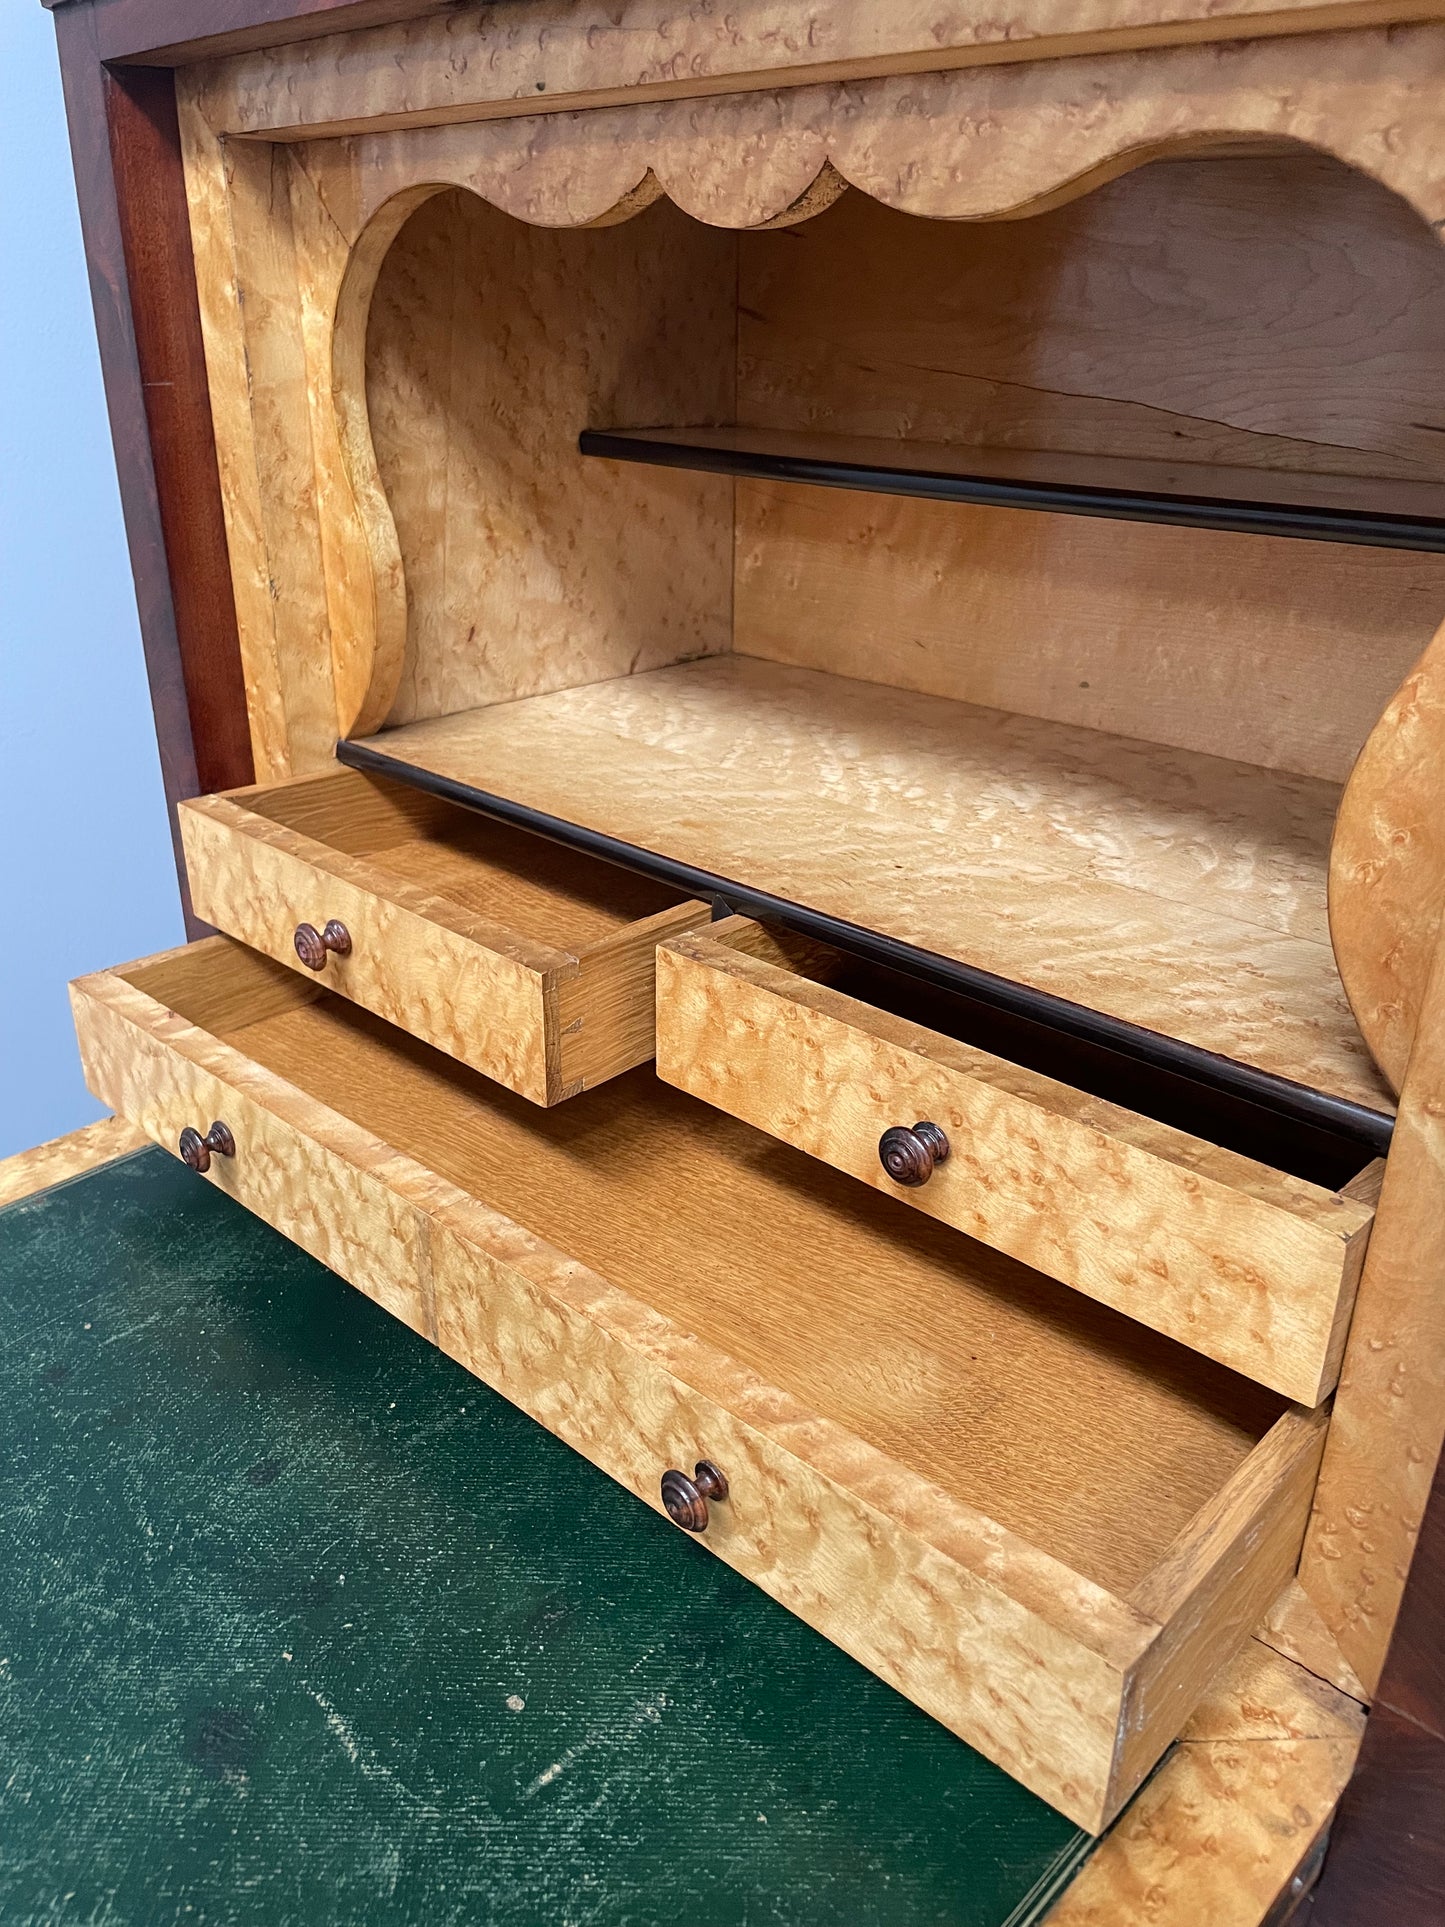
column 1318, row 508
column 1166, row 904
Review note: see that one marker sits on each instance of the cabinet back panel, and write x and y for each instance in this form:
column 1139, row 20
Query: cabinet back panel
column 1268, row 313
column 491, row 344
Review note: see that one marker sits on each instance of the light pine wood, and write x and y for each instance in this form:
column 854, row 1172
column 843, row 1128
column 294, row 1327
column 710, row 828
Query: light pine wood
column 1253, row 1268
column 465, row 68
column 459, row 1221
column 1181, row 892
column 63, row 1158
column 1221, row 1829
column 530, row 963
column 1387, row 866
column 1389, row 1415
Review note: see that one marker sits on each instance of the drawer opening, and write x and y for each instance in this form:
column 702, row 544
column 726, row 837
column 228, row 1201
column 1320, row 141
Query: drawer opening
column 554, row 895
column 1320, row 1156
column 529, row 960
column 1244, row 1260
column 1094, row 1439
column 1047, row 1524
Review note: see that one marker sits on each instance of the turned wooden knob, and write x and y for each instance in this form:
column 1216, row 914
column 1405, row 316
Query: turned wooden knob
column 685, row 1499
column 908, row 1156
column 313, row 945
column 196, row 1150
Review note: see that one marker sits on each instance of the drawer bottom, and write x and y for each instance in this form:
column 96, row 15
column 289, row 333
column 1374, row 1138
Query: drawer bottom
column 1046, row 1525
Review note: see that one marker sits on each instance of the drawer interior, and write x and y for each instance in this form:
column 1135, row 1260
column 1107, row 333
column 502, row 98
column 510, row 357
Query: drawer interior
column 1092, row 1437
column 556, row 896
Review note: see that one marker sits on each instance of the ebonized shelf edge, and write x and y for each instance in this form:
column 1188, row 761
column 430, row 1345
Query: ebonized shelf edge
column 1297, row 1102
column 1360, row 527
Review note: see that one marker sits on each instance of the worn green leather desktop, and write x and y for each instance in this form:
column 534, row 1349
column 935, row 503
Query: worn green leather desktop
column 301, row 1624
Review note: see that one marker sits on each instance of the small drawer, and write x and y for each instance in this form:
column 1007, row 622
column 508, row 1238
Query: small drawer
column 531, row 963
column 1046, row 1525
column 1240, row 1261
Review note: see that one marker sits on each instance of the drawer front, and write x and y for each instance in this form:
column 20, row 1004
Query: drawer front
column 1251, row 1267
column 542, row 1021
column 1039, row 1668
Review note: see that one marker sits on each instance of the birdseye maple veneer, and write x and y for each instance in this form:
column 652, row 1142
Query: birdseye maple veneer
column 909, row 591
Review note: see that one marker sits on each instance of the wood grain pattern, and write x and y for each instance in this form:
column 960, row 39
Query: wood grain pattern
column 171, row 33
column 1256, row 1269
column 251, row 323
column 490, row 346
column 1208, row 1591
column 1387, row 866
column 1293, row 1627
column 476, row 66
column 1389, row 1420
column 464, row 933
column 62, row 1158
column 1001, row 139
column 145, row 148
column 1181, row 892
column 863, row 1543
column 1279, row 314
column 1234, row 1810
column 988, row 142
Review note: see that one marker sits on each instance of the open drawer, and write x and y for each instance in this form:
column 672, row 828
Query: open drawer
column 1243, row 1262
column 531, row 963
column 1045, row 1524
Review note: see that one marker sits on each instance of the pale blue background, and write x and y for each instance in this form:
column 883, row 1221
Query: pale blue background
column 86, row 877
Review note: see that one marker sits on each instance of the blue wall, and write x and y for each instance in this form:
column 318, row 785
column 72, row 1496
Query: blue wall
column 86, row 877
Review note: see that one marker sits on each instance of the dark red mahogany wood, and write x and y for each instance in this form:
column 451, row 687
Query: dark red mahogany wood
column 314, row 946
column 197, row 1151
column 684, row 1499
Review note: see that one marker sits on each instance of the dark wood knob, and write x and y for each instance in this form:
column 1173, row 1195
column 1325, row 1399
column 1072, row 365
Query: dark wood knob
column 909, row 1157
column 685, row 1499
column 196, row 1150
column 313, row 946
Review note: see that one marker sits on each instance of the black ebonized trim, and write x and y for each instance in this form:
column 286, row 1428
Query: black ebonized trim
column 1364, row 527
column 1296, row 1102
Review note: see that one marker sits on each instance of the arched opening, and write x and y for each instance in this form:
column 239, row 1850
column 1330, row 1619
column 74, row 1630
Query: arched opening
column 1022, row 591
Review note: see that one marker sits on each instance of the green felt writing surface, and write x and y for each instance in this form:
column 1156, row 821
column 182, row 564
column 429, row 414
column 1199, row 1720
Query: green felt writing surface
column 299, row 1623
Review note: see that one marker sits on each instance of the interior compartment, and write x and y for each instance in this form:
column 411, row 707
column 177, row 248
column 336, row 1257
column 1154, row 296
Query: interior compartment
column 1090, row 1436
column 543, row 890
column 1092, row 758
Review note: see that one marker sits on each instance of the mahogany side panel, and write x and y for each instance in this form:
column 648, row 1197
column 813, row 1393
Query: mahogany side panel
column 145, row 146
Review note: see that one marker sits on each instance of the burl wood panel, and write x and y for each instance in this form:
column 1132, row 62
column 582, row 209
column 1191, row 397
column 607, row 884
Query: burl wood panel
column 67, row 1157
column 1266, row 314
column 1065, row 1683
column 1220, row 1830
column 1182, row 892
column 1387, row 866
column 1256, row 1269
column 486, row 955
column 953, row 145
column 490, row 346
column 1389, row 1420
column 478, row 65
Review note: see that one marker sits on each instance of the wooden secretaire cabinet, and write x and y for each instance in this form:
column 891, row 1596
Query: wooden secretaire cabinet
column 832, row 873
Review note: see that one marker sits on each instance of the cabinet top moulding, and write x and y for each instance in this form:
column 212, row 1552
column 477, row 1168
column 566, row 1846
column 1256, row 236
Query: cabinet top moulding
column 534, row 56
